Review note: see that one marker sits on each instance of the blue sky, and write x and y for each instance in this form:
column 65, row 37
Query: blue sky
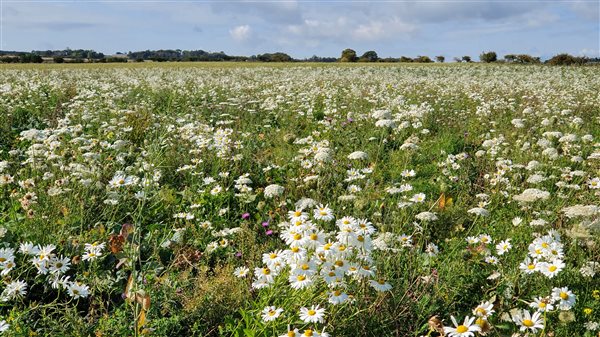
column 305, row 28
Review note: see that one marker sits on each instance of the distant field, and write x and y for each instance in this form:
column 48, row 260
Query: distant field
column 253, row 199
column 229, row 65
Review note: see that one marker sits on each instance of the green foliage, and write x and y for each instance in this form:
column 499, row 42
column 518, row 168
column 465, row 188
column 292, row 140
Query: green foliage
column 348, row 55
column 369, row 56
column 488, row 57
column 275, row 57
column 566, row 60
column 422, row 59
column 521, row 58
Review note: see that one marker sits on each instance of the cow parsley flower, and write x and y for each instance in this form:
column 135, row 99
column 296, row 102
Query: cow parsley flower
column 273, row 190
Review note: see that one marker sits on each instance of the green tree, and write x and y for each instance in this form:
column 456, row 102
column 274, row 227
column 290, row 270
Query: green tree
column 510, row 57
column 488, row 57
column 369, row 56
column 348, row 55
column 524, row 58
column 275, row 57
column 567, row 60
column 466, row 58
column 440, row 59
column 422, row 59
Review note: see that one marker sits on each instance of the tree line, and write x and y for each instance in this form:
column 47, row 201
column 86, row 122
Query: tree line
column 347, row 55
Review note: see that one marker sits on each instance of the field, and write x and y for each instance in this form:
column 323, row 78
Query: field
column 299, row 200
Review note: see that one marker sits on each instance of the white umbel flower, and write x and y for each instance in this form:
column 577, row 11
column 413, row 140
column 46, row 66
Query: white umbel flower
column 273, row 190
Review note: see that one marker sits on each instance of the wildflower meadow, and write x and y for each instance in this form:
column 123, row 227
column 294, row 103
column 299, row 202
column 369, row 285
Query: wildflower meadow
column 299, row 200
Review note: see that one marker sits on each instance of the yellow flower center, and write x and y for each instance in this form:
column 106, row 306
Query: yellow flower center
column 305, row 267
column 308, row 333
column 273, row 256
column 266, row 271
column 531, row 267
column 297, row 236
column 564, row 296
column 337, row 293
column 313, row 236
column 461, row 329
column 339, row 263
column 295, row 249
column 291, row 334
column 528, row 323
column 2, row 259
column 542, row 304
column 311, row 312
column 552, row 268
column 271, row 313
column 300, row 277
column 481, row 311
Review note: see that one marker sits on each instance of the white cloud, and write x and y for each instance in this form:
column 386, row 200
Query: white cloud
column 586, row 9
column 542, row 18
column 343, row 29
column 589, row 52
column 378, row 30
column 241, row 33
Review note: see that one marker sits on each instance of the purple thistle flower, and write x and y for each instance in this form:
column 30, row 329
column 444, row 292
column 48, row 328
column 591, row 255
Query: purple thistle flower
column 246, row 216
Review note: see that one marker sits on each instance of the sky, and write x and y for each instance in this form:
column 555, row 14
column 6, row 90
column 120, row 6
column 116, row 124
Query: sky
column 303, row 28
